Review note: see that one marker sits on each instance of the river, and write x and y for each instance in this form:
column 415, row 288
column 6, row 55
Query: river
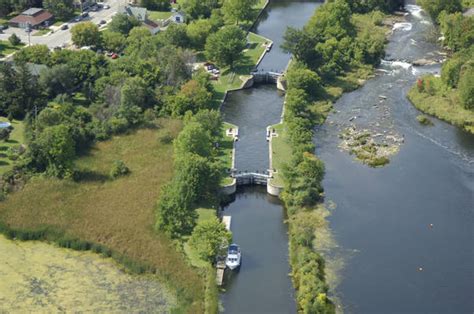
column 262, row 285
column 406, row 229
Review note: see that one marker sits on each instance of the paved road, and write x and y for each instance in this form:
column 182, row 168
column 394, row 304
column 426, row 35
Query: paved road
column 63, row 37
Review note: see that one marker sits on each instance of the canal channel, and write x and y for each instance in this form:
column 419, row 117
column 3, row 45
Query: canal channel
column 262, row 285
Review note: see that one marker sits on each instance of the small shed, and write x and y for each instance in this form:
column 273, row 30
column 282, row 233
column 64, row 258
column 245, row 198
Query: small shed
column 178, row 17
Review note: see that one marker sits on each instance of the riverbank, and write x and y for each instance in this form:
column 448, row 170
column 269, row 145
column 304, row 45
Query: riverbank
column 445, row 106
column 111, row 217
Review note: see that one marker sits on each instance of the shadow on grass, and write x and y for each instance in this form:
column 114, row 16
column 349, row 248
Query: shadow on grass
column 4, row 163
column 85, row 175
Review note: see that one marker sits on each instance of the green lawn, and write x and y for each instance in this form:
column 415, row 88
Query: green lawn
column 159, row 15
column 16, row 138
column 7, row 48
column 281, row 152
column 231, row 79
column 225, row 153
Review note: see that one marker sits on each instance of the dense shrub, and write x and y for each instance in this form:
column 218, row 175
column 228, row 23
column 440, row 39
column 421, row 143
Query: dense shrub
column 119, row 169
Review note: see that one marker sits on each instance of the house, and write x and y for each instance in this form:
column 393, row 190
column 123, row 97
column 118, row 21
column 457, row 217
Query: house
column 152, row 26
column 33, row 18
column 178, row 17
column 138, row 12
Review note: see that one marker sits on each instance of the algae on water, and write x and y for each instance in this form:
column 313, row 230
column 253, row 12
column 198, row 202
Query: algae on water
column 39, row 277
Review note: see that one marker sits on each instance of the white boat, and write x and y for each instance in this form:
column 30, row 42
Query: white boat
column 234, row 257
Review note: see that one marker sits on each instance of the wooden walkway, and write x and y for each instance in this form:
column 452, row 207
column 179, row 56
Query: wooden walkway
column 221, row 260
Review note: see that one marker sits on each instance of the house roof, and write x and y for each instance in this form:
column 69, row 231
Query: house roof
column 32, row 11
column 36, row 19
column 138, row 12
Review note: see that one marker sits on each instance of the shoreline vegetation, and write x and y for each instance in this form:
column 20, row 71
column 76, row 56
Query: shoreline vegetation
column 450, row 97
column 350, row 40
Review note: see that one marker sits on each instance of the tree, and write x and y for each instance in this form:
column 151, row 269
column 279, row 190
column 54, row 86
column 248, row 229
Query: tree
column 39, row 54
column 197, row 32
column 193, row 139
column 466, row 87
column 122, row 23
column 226, row 45
column 236, row 11
column 61, row 9
column 209, row 238
column 199, row 8
column 113, row 41
column 176, row 35
column 157, row 5
column 86, row 34
column 4, row 134
column 435, row 7
column 54, row 147
column 175, row 214
column 192, row 96
column 134, row 98
column 304, row 79
column 14, row 40
column 56, row 80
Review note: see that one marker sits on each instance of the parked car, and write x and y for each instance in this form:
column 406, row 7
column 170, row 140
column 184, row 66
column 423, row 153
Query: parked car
column 64, row 27
column 103, row 22
column 78, row 19
column 106, row 6
column 114, row 56
column 94, row 8
column 84, row 15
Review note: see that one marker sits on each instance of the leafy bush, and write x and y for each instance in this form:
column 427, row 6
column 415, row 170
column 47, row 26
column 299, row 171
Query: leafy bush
column 210, row 238
column 14, row 40
column 119, row 169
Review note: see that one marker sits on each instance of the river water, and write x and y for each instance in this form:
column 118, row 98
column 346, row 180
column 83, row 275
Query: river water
column 262, row 285
column 406, row 229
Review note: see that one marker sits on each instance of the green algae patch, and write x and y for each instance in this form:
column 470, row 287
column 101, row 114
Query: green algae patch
column 39, row 277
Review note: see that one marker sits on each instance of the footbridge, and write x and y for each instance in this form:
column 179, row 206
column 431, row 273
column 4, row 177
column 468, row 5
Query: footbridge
column 266, row 77
column 250, row 178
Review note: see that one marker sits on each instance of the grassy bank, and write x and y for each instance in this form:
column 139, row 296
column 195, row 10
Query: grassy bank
column 443, row 104
column 234, row 78
column 115, row 217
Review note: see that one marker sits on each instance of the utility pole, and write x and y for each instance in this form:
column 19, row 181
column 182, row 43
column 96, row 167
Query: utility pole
column 28, row 31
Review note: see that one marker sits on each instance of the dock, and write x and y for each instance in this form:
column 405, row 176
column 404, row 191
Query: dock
column 220, row 265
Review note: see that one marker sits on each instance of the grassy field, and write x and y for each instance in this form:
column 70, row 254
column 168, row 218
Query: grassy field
column 281, row 152
column 7, row 48
column 117, row 214
column 159, row 15
column 16, row 138
column 443, row 105
column 231, row 79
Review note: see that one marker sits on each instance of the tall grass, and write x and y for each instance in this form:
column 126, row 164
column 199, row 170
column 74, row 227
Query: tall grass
column 111, row 217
